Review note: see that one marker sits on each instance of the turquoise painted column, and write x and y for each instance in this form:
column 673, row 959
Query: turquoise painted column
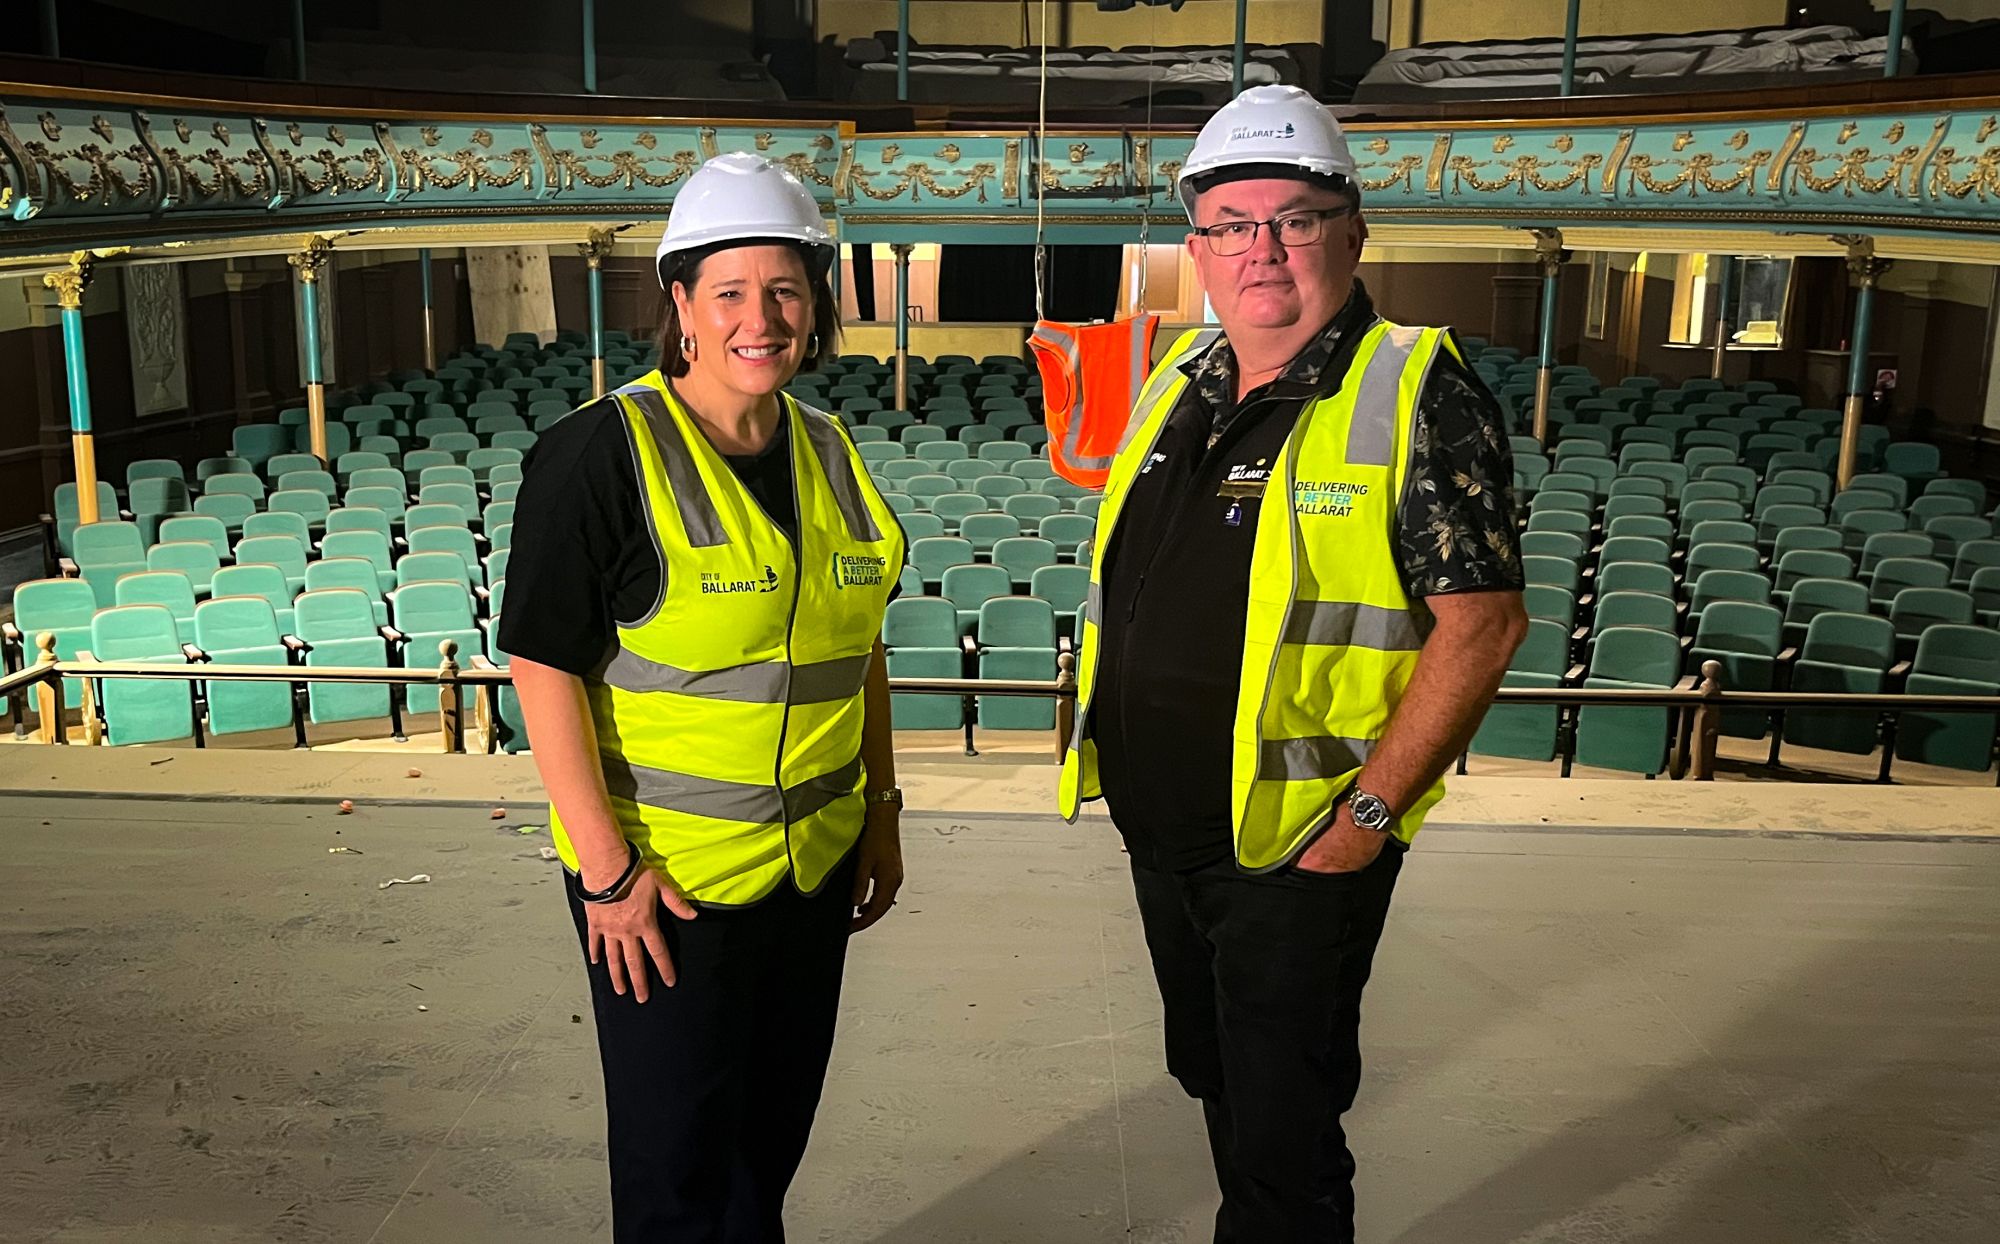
column 1242, row 31
column 1867, row 270
column 430, row 320
column 69, row 286
column 1549, row 256
column 1892, row 58
column 307, row 263
column 299, row 39
column 903, row 50
column 1723, row 278
column 590, row 47
column 594, row 252
column 1569, row 48
column 901, row 250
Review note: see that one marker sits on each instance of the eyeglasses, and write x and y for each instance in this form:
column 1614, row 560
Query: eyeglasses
column 1233, row 237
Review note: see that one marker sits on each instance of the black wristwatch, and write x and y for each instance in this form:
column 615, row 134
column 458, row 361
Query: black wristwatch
column 1370, row 812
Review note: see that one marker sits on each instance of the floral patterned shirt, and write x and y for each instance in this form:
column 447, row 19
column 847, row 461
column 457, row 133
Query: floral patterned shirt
column 1456, row 526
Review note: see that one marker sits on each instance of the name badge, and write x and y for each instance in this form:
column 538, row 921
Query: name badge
column 1245, row 480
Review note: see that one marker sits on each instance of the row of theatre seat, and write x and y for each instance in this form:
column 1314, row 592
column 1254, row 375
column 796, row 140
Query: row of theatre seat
column 1666, row 527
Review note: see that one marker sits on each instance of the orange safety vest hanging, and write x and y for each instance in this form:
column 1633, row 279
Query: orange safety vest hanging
column 1091, row 376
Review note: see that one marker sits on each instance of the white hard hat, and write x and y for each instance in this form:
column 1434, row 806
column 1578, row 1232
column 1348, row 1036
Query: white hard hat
column 1269, row 125
column 740, row 195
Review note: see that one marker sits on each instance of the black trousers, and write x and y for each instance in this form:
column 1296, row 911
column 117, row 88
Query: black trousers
column 710, row 1087
column 1261, row 977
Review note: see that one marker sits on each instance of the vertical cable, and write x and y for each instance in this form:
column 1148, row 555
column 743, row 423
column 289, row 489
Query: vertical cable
column 1146, row 207
column 1041, row 156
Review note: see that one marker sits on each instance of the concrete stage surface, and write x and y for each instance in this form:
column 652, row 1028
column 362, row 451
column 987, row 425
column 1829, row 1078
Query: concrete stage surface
column 214, row 1030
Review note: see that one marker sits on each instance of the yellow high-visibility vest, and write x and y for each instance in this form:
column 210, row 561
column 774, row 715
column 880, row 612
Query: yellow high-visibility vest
column 729, row 717
column 1330, row 637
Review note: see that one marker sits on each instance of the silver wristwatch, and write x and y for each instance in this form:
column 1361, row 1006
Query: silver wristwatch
column 1370, row 812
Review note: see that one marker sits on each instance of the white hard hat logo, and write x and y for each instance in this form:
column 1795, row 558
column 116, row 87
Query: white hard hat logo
column 1242, row 132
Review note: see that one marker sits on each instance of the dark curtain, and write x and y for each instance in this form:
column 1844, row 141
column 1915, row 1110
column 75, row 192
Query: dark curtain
column 860, row 260
column 985, row 283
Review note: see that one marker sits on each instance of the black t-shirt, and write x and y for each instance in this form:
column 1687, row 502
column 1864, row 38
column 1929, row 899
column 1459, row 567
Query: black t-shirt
column 1177, row 575
column 583, row 560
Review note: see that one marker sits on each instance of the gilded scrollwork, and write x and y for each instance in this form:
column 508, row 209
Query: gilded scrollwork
column 101, row 126
column 1403, row 171
column 335, row 176
column 763, row 139
column 1850, row 170
column 628, row 169
column 469, row 168
column 806, row 169
column 106, row 178
column 1525, row 171
column 1982, row 176
column 1986, row 128
column 949, row 153
column 183, row 173
column 483, row 137
column 1698, row 173
column 917, row 176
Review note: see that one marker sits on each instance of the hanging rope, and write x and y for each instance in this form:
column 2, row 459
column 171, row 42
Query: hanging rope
column 1146, row 207
column 1041, row 156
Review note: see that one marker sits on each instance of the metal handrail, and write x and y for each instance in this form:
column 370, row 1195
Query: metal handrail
column 1705, row 697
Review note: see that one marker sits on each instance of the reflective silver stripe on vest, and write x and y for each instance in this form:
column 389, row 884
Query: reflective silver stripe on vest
column 697, row 508
column 1305, row 760
column 758, row 682
column 815, row 793
column 1093, row 605
column 1066, row 345
column 825, row 682
column 1371, row 435
column 726, row 801
column 831, row 450
column 1337, row 622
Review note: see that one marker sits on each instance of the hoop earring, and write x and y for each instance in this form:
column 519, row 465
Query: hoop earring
column 687, row 347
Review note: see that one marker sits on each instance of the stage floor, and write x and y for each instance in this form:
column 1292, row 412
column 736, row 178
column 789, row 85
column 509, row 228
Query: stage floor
column 214, row 1030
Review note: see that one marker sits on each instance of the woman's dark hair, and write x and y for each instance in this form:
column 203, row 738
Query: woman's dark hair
column 685, row 267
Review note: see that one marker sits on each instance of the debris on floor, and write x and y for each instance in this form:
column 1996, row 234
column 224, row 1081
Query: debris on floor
column 499, row 814
column 419, row 879
column 414, row 773
column 347, row 807
column 526, row 829
column 550, row 853
column 345, row 851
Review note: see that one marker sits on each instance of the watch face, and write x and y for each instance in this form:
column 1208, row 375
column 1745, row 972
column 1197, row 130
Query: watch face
column 1371, row 813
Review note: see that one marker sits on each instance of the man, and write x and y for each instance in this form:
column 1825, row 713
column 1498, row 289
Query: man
column 1306, row 590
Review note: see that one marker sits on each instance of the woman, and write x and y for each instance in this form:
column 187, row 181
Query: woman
column 698, row 593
